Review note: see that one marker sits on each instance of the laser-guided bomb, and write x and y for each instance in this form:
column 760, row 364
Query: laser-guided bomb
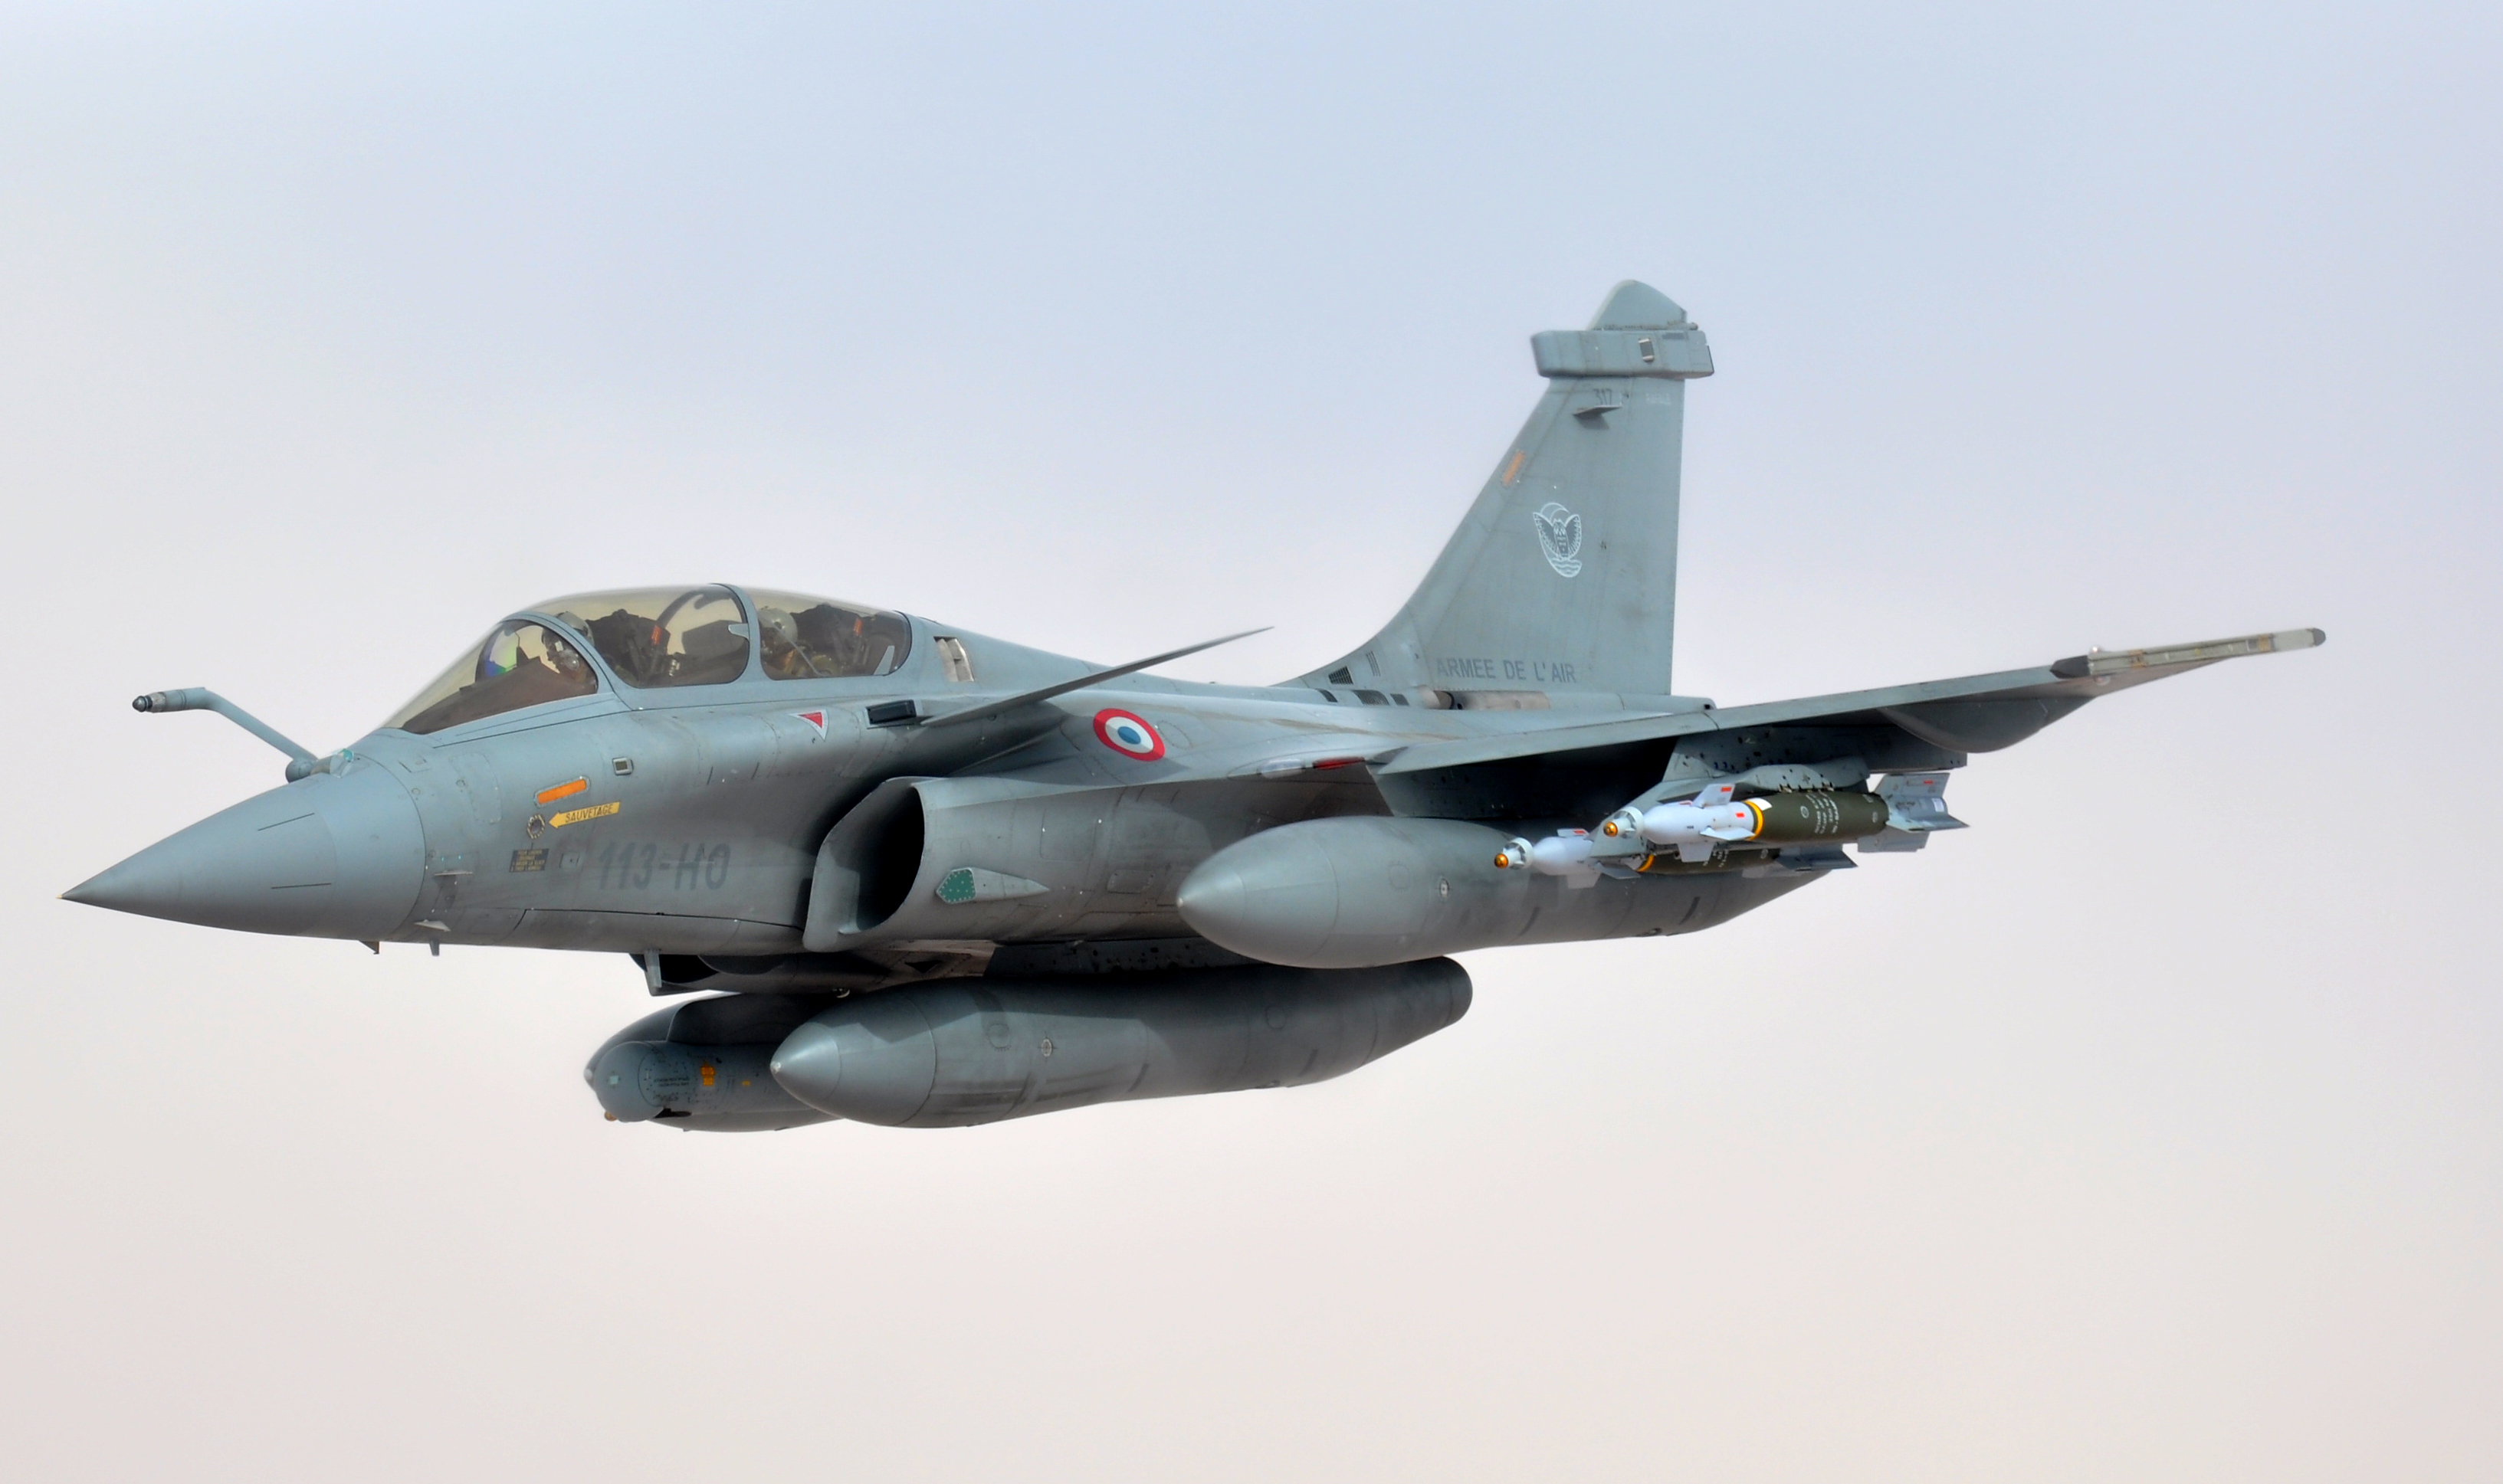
column 915, row 876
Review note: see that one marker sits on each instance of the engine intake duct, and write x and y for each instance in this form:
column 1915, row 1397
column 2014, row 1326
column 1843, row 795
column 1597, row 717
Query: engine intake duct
column 967, row 1051
column 991, row 859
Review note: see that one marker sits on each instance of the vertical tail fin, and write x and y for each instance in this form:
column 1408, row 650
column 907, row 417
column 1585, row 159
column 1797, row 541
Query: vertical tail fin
column 1563, row 576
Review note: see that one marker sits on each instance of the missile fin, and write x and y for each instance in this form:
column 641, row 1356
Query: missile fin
column 1916, row 802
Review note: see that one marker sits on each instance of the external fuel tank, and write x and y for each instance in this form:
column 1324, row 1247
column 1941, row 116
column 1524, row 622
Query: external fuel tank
column 957, row 1052
column 977, row 1051
column 1351, row 893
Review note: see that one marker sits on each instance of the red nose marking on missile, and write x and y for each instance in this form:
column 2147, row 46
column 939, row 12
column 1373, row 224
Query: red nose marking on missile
column 1129, row 735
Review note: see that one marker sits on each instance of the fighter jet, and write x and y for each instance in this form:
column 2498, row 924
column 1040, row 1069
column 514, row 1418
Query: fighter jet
column 921, row 877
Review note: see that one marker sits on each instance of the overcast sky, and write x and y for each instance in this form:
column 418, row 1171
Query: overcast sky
column 2151, row 1129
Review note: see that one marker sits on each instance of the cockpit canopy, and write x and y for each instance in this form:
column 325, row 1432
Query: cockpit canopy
column 812, row 638
column 661, row 637
column 656, row 638
column 521, row 664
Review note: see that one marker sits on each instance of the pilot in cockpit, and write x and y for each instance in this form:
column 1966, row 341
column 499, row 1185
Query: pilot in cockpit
column 571, row 667
column 778, row 645
column 815, row 638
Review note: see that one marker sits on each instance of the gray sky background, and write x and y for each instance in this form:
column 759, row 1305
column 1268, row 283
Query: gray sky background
column 2152, row 1129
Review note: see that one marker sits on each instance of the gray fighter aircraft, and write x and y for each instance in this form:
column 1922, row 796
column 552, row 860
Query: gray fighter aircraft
column 929, row 878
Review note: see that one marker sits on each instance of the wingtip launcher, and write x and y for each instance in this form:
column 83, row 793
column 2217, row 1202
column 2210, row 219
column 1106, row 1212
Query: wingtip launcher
column 2104, row 663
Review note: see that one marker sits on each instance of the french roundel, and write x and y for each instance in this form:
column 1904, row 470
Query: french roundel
column 1129, row 736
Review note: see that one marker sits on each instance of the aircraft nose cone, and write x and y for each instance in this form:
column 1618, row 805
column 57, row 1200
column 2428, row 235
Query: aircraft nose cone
column 329, row 856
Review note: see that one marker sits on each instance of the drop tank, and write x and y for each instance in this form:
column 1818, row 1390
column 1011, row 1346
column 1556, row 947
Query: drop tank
column 1350, row 892
column 959, row 1051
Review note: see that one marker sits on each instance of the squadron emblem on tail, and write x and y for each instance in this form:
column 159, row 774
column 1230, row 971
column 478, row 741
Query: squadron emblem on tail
column 1559, row 536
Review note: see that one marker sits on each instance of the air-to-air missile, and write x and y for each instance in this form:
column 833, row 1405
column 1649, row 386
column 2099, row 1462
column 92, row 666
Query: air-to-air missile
column 918, row 877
